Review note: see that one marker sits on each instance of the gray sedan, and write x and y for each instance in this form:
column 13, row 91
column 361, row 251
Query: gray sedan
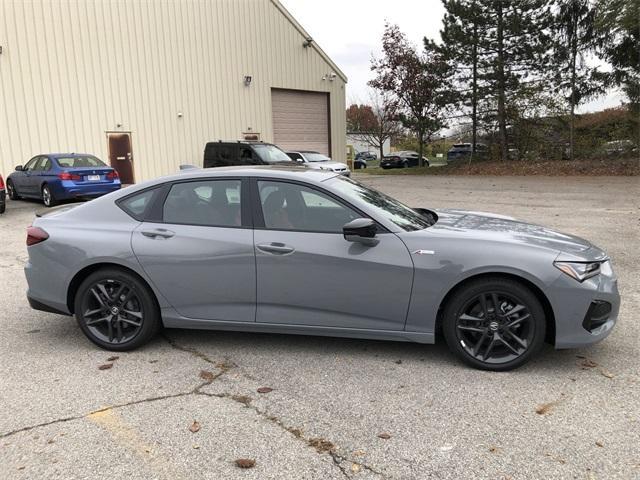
column 280, row 249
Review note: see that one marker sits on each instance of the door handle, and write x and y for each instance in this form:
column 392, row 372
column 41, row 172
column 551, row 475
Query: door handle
column 275, row 247
column 159, row 232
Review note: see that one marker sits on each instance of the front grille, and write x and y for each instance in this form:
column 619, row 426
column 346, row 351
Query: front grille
column 597, row 315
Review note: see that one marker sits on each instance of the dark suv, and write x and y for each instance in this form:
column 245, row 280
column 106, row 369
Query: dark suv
column 224, row 154
column 463, row 151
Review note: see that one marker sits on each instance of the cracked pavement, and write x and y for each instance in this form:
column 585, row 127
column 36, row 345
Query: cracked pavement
column 61, row 417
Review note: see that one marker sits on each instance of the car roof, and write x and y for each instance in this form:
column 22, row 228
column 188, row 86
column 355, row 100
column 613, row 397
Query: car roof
column 284, row 172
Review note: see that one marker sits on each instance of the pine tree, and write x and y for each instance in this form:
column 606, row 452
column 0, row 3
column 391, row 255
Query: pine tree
column 513, row 56
column 574, row 38
column 463, row 27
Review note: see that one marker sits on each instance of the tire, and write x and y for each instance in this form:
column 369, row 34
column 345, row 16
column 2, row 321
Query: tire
column 3, row 207
column 48, row 198
column 108, row 305
column 11, row 190
column 405, row 164
column 477, row 334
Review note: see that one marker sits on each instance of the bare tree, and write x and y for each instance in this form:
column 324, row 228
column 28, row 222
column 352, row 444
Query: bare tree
column 385, row 122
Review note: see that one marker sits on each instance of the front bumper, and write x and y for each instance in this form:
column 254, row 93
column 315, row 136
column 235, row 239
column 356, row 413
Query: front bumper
column 581, row 311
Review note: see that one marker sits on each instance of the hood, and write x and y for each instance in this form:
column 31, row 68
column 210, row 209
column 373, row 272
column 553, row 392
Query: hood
column 330, row 165
column 501, row 228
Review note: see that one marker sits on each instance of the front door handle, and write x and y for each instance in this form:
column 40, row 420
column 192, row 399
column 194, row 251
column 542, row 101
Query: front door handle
column 276, row 248
column 158, row 232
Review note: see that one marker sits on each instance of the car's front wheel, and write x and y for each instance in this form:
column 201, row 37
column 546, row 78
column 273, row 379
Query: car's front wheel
column 48, row 198
column 11, row 191
column 494, row 324
column 116, row 310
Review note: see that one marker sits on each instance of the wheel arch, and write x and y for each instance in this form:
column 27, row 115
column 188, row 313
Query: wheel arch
column 542, row 298
column 82, row 274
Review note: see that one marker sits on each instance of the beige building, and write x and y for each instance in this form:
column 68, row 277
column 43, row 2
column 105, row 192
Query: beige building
column 144, row 84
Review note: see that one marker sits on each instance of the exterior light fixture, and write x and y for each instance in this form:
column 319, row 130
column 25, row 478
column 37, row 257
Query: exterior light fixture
column 307, row 42
column 247, row 80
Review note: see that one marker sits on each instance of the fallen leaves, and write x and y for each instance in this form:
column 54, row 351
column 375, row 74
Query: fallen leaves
column 245, row 463
column 588, row 363
column 384, row 436
column 599, row 444
column 321, row 445
column 607, row 374
column 195, row 427
column 105, row 366
column 241, row 399
column 356, row 467
column 207, row 376
column 545, row 408
column 113, row 359
column 265, row 390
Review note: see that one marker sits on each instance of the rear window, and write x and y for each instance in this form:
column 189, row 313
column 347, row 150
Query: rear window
column 87, row 161
column 138, row 205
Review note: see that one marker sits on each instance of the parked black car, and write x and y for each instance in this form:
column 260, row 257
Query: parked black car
column 361, row 159
column 463, row 151
column 404, row 159
column 3, row 196
column 224, row 154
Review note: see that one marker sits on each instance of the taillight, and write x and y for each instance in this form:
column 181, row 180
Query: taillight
column 1, row 183
column 36, row 235
column 112, row 175
column 69, row 176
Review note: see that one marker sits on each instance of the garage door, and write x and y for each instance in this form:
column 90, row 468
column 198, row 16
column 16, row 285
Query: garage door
column 301, row 120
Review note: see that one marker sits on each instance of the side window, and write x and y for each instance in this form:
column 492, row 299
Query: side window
column 220, row 155
column 32, row 164
column 138, row 205
column 289, row 206
column 247, row 156
column 296, row 156
column 214, row 203
column 39, row 165
column 46, row 164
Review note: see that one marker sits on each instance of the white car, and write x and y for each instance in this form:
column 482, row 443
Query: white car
column 318, row 161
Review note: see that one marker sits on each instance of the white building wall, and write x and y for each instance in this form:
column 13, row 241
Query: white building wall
column 361, row 145
column 72, row 70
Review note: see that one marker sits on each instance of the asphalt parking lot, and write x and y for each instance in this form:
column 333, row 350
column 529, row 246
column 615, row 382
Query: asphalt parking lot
column 334, row 408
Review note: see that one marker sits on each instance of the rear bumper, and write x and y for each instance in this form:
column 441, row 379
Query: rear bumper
column 43, row 307
column 69, row 189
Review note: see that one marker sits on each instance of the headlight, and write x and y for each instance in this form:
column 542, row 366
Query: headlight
column 579, row 270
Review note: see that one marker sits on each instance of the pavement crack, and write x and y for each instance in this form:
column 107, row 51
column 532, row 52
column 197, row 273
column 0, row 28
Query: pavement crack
column 320, row 445
column 111, row 407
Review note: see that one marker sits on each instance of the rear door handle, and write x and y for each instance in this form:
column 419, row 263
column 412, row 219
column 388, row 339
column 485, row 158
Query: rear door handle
column 158, row 232
column 276, row 248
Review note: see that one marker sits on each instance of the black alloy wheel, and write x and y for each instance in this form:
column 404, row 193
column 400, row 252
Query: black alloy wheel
column 116, row 310
column 494, row 324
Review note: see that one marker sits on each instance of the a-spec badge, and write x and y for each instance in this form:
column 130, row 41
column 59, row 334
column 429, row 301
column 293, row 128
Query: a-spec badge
column 424, row 252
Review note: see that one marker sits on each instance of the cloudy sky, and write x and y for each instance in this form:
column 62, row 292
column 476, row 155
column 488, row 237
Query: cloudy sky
column 350, row 32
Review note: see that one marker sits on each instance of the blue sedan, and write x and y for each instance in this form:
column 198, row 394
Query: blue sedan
column 62, row 176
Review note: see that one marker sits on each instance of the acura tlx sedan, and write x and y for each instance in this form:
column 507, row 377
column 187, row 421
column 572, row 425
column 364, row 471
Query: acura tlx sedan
column 295, row 250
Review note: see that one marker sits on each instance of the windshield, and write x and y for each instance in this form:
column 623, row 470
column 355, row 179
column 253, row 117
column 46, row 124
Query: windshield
column 271, row 154
column 79, row 162
column 316, row 157
column 383, row 205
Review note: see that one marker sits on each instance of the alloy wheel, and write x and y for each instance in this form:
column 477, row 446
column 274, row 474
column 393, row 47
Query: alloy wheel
column 46, row 196
column 495, row 327
column 112, row 311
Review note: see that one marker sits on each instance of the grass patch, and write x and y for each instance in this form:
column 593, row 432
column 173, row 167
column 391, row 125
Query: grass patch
column 590, row 167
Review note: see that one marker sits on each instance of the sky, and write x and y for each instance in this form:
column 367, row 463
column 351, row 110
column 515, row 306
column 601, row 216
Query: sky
column 350, row 32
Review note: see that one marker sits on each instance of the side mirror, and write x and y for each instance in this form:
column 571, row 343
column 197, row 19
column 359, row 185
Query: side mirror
column 361, row 230
column 19, row 168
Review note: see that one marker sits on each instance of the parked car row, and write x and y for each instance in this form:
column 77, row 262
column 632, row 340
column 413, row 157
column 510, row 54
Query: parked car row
column 403, row 159
column 55, row 177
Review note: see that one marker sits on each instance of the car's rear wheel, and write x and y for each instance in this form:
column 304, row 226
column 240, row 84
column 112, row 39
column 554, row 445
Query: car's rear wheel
column 48, row 198
column 11, row 191
column 405, row 164
column 116, row 310
column 494, row 324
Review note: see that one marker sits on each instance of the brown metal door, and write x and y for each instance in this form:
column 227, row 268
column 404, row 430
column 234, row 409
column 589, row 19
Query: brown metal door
column 121, row 156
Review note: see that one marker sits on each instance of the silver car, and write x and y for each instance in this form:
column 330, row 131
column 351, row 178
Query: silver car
column 319, row 161
column 280, row 249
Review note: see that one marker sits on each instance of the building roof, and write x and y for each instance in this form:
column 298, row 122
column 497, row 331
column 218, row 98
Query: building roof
column 306, row 35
